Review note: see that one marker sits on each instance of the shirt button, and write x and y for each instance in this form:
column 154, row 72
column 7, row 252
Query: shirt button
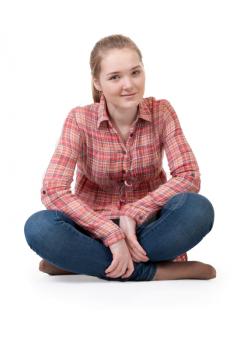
column 128, row 184
column 44, row 192
column 123, row 171
column 131, row 135
column 124, row 152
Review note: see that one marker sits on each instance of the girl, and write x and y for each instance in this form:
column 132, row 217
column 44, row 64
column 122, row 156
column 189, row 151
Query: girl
column 125, row 221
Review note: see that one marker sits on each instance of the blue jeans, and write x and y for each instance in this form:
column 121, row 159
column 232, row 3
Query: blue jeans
column 175, row 229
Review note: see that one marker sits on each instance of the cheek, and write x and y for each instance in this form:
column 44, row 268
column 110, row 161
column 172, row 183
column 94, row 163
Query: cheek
column 110, row 88
column 142, row 81
column 113, row 90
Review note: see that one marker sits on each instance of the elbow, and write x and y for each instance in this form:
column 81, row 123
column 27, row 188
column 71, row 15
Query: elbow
column 196, row 182
column 192, row 181
column 44, row 197
column 198, row 185
column 50, row 196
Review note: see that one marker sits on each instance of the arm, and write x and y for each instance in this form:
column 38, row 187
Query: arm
column 182, row 164
column 56, row 193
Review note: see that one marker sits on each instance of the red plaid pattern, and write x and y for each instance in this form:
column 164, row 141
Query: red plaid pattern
column 114, row 178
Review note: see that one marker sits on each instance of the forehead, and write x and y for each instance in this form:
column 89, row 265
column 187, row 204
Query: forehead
column 119, row 60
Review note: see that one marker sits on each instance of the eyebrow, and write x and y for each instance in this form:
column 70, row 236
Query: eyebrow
column 119, row 72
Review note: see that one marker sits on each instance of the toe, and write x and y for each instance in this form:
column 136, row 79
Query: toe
column 211, row 271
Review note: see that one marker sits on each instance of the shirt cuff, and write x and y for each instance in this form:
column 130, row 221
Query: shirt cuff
column 113, row 237
column 140, row 216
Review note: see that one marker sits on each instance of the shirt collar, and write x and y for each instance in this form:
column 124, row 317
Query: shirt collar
column 143, row 111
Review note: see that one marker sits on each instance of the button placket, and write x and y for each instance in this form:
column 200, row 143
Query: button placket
column 127, row 165
column 127, row 184
column 122, row 199
column 127, row 181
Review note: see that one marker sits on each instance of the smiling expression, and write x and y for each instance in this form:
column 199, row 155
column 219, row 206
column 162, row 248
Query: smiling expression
column 122, row 74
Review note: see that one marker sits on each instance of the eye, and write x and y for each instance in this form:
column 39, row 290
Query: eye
column 113, row 77
column 137, row 71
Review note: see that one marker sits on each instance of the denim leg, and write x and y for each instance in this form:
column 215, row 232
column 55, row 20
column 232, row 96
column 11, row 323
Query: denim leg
column 58, row 239
column 180, row 225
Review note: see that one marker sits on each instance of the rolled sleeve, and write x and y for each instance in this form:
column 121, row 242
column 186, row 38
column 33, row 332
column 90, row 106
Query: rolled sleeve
column 56, row 189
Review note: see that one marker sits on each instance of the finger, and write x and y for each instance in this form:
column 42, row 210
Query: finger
column 136, row 257
column 122, row 272
column 118, row 272
column 133, row 242
column 135, row 260
column 139, row 257
column 128, row 272
column 143, row 257
column 140, row 249
column 133, row 255
column 113, row 266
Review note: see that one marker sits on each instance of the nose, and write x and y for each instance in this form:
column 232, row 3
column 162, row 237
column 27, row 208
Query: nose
column 127, row 83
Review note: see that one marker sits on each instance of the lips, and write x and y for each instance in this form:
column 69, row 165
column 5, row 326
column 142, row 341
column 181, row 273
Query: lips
column 129, row 94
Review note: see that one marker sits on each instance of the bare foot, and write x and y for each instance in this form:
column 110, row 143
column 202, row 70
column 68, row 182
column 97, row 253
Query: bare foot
column 46, row 267
column 184, row 270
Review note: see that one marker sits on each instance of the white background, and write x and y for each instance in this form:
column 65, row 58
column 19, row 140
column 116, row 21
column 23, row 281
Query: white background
column 44, row 72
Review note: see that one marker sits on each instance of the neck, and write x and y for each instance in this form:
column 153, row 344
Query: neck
column 123, row 118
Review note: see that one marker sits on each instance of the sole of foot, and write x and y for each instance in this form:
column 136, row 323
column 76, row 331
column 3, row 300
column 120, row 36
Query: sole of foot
column 184, row 270
column 50, row 269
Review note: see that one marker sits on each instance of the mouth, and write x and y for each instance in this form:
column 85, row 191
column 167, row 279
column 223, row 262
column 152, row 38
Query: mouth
column 128, row 95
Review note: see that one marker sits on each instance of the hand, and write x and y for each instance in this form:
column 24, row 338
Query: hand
column 122, row 263
column 128, row 225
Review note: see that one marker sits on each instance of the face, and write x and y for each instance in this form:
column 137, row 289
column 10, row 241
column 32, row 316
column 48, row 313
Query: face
column 121, row 74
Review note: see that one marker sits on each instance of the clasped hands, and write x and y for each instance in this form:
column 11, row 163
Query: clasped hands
column 126, row 251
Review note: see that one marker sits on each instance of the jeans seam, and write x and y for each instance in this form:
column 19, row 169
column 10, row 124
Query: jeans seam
column 165, row 216
column 180, row 201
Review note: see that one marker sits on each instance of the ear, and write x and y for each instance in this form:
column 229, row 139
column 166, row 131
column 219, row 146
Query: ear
column 96, row 84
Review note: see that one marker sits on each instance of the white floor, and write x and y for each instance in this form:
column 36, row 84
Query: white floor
column 80, row 312
column 45, row 47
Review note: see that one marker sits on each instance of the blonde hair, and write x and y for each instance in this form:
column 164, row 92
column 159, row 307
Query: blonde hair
column 116, row 41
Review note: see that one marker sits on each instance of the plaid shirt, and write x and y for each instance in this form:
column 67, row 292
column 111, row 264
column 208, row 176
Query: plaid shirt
column 116, row 178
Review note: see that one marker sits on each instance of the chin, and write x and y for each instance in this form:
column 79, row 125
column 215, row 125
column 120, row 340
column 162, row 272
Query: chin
column 134, row 101
column 130, row 104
